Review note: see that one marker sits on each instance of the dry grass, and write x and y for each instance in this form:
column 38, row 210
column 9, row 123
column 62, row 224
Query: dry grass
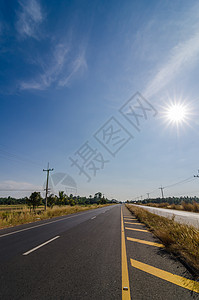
column 13, row 218
column 183, row 206
column 12, row 207
column 182, row 240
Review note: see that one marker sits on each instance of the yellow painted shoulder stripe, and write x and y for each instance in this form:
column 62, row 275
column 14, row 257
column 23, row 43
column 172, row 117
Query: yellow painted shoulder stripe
column 175, row 279
column 129, row 218
column 143, row 230
column 134, row 223
column 145, row 242
column 125, row 276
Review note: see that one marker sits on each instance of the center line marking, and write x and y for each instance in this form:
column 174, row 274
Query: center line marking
column 28, row 252
column 125, row 276
column 93, row 218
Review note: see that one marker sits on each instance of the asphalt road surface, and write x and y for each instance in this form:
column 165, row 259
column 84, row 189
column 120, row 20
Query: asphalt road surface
column 184, row 217
column 99, row 254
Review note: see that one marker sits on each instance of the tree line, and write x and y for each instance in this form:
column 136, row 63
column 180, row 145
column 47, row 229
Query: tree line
column 36, row 200
column 169, row 200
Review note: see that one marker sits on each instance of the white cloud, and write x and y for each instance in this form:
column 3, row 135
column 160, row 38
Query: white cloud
column 14, row 185
column 50, row 70
column 61, row 64
column 181, row 56
column 60, row 70
column 79, row 65
column 30, row 17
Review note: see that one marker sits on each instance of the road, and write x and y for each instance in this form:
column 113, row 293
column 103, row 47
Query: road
column 99, row 254
column 184, row 217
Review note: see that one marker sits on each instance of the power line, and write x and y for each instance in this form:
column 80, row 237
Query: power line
column 152, row 191
column 13, row 157
column 182, row 181
column 187, row 180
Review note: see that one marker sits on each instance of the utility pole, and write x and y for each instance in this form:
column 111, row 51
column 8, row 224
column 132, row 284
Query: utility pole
column 48, row 170
column 162, row 188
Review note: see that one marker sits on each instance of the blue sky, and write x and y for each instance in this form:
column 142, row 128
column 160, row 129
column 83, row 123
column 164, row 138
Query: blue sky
column 67, row 67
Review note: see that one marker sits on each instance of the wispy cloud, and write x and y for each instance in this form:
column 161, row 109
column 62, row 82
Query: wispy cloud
column 61, row 64
column 79, row 65
column 58, row 69
column 50, row 70
column 29, row 16
column 14, row 185
column 184, row 54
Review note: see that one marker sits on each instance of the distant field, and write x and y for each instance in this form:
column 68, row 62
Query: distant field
column 16, row 207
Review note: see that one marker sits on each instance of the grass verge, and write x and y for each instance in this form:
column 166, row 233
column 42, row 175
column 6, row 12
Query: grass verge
column 193, row 207
column 13, row 218
column 179, row 239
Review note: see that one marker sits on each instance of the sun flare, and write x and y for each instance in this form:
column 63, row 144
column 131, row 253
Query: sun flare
column 176, row 113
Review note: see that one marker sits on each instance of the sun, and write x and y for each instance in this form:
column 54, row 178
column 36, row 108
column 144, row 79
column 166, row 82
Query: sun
column 176, row 113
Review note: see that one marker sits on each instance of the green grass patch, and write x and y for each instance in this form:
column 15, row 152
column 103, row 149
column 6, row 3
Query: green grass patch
column 179, row 239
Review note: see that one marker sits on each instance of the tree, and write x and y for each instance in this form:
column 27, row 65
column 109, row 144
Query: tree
column 51, row 200
column 98, row 195
column 34, row 200
column 102, row 201
column 71, row 202
column 61, row 199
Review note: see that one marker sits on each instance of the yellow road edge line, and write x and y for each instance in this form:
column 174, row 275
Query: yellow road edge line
column 135, row 229
column 134, row 223
column 125, row 276
column 175, row 279
column 145, row 242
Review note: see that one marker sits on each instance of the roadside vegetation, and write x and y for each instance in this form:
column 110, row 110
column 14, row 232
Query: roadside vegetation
column 32, row 209
column 179, row 203
column 179, row 239
column 193, row 207
column 13, row 218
